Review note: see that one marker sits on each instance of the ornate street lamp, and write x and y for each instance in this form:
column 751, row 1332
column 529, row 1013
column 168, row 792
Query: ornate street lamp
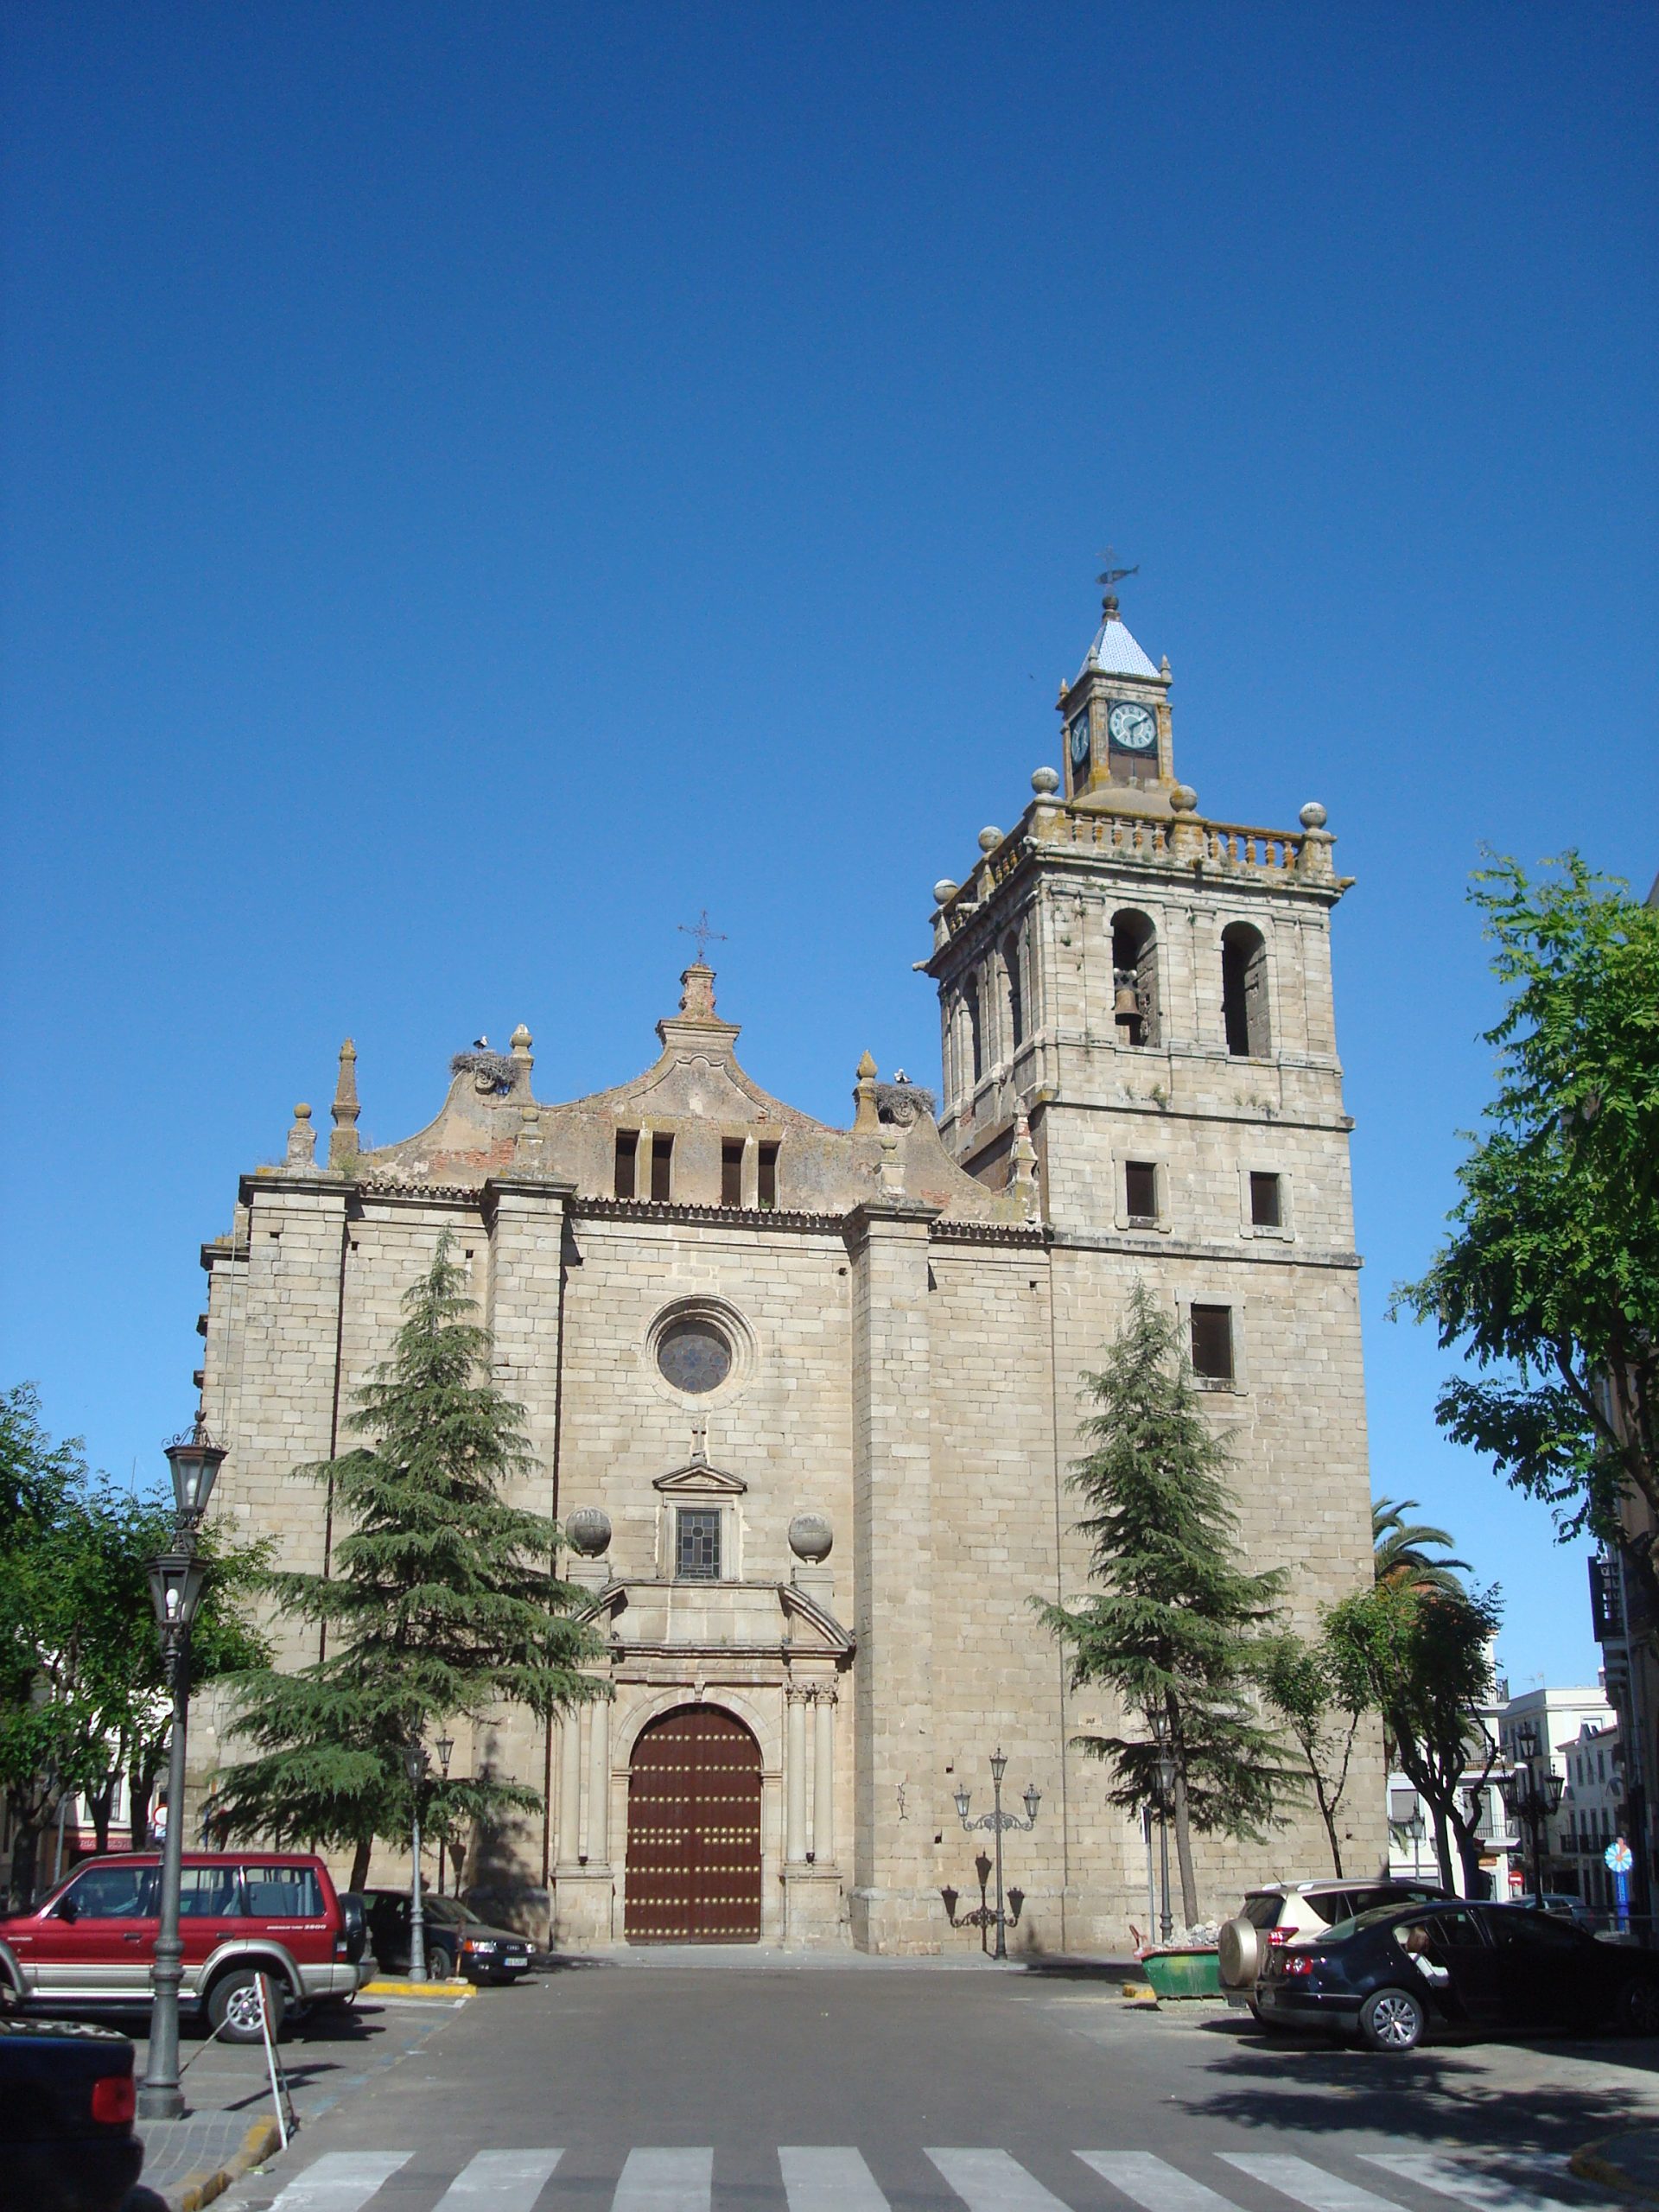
column 1166, row 1797
column 998, row 1821
column 445, row 1748
column 1532, row 1797
column 175, row 1580
column 415, row 1763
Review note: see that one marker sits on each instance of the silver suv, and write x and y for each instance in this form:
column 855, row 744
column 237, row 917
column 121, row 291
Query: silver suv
column 1286, row 1912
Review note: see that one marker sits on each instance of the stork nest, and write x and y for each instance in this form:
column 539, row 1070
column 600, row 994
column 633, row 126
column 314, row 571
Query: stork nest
column 496, row 1065
column 904, row 1103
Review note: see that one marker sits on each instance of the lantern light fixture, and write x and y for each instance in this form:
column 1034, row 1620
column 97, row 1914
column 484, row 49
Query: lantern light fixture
column 196, row 1460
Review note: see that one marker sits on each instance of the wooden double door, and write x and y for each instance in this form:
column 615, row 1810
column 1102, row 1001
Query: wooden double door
column 693, row 1831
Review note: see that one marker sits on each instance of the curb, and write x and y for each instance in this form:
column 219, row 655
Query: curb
column 1589, row 2163
column 262, row 2140
column 395, row 1987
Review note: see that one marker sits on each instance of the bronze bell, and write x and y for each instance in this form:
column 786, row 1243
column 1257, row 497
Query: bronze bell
column 1126, row 1006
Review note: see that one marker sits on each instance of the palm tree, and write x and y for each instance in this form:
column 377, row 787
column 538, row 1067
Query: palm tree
column 1399, row 1549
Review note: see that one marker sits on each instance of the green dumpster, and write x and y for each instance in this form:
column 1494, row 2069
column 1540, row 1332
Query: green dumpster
column 1184, row 1974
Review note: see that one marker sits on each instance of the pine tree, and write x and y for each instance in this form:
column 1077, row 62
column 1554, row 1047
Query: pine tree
column 443, row 1603
column 1175, row 1628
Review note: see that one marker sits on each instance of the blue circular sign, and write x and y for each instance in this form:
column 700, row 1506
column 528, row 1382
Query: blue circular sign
column 1619, row 1857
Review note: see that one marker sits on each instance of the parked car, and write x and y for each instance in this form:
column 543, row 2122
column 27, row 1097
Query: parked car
column 241, row 1914
column 66, row 2102
column 456, row 1940
column 1391, row 1975
column 1286, row 1912
column 1559, row 1902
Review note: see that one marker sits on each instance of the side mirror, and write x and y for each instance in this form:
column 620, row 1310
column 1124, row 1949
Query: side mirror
column 69, row 1911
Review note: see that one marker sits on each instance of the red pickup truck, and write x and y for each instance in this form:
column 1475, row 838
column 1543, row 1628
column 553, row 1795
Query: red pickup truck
column 241, row 1914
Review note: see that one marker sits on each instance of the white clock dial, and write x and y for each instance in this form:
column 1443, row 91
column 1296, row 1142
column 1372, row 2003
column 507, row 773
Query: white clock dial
column 1079, row 734
column 1132, row 728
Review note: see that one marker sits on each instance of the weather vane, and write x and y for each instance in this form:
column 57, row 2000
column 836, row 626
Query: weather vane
column 702, row 929
column 1110, row 576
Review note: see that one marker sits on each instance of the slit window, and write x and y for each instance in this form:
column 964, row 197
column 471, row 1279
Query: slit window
column 1267, row 1210
column 766, row 1176
column 1244, row 991
column 628, row 1154
column 696, row 1544
column 731, row 1172
column 662, row 1165
column 1212, row 1343
column 1141, row 1190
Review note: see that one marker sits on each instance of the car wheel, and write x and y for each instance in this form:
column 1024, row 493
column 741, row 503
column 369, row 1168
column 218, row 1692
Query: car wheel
column 233, row 2005
column 439, row 1962
column 1638, row 2006
column 1392, row 2020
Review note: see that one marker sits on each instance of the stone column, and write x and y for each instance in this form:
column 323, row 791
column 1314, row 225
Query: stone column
column 795, row 1697
column 569, row 1785
column 892, row 1898
column 599, row 1784
column 823, row 1775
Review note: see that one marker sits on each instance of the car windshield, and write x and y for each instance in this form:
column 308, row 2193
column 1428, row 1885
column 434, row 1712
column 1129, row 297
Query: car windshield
column 450, row 1911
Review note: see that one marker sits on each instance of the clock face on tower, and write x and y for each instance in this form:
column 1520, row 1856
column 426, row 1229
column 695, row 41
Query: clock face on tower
column 1133, row 729
column 1076, row 731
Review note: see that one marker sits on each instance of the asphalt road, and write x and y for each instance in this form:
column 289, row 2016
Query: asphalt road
column 674, row 2088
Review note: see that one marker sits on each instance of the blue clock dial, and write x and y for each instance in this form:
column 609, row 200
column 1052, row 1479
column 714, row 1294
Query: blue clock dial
column 1133, row 729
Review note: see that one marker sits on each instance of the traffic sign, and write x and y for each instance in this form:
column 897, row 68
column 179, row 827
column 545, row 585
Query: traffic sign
column 1619, row 1857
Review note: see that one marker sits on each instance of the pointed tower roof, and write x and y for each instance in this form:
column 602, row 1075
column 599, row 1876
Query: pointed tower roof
column 1115, row 652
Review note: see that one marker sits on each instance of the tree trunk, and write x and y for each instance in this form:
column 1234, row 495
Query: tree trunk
column 1328, row 1815
column 25, row 1850
column 138, row 1807
column 361, row 1862
column 1442, row 1846
column 1184, row 1852
column 98, row 1807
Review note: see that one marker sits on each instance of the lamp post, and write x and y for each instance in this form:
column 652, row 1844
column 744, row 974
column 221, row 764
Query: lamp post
column 1165, row 1792
column 997, row 1821
column 175, row 1579
column 415, row 1763
column 1532, row 1798
column 445, row 1748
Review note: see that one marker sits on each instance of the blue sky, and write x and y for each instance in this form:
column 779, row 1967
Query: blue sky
column 482, row 484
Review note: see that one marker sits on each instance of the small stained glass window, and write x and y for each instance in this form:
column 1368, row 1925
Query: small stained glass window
column 694, row 1355
column 696, row 1546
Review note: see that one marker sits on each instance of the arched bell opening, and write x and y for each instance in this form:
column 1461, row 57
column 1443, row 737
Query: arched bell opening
column 1134, row 978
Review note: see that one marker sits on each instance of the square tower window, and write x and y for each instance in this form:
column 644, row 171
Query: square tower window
column 696, row 1544
column 766, row 1176
column 627, row 1155
column 731, row 1172
column 1212, row 1343
column 1141, row 1190
column 1267, row 1208
column 662, row 1165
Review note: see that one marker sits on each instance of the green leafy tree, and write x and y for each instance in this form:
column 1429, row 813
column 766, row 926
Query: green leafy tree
column 1401, row 1550
column 1426, row 1657
column 442, row 1604
column 1548, row 1285
column 1319, row 1695
column 82, row 1697
column 1175, row 1627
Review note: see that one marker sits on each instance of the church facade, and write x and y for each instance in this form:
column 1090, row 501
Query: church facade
column 805, row 1398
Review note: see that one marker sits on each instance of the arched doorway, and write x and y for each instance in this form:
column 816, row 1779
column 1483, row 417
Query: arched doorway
column 693, row 1831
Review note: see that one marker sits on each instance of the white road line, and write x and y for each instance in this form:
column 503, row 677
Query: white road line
column 665, row 2180
column 990, row 2181
column 1306, row 2183
column 500, row 2181
column 339, row 2181
column 828, row 2181
column 1466, row 2184
column 1155, row 2184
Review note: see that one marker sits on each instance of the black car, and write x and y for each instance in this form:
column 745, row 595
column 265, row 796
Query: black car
column 1390, row 1976
column 457, row 1940
column 66, row 2102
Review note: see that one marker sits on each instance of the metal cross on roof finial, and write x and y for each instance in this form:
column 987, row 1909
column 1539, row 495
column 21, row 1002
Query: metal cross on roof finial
column 1109, row 574
column 702, row 929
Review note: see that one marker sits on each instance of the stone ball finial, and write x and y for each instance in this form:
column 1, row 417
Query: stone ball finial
column 1184, row 798
column 944, row 891
column 522, row 1039
column 1045, row 782
column 588, row 1529
column 989, row 839
column 811, row 1538
column 866, row 1067
column 301, row 1112
column 1313, row 815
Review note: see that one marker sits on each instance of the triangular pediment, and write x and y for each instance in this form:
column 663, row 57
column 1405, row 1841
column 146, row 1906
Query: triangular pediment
column 698, row 1475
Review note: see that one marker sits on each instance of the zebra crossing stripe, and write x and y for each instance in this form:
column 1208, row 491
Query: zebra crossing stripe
column 665, row 2180
column 1306, row 2183
column 341, row 2180
column 990, row 2181
column 828, row 2181
column 1155, row 2185
column 499, row 2181
column 1466, row 2184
